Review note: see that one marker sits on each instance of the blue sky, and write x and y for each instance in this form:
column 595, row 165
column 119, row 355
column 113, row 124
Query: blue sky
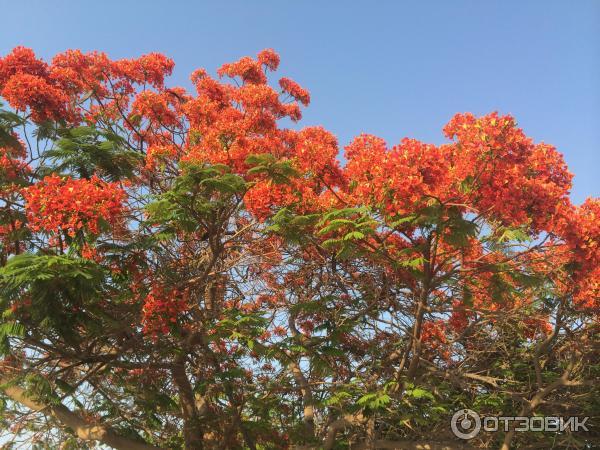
column 390, row 68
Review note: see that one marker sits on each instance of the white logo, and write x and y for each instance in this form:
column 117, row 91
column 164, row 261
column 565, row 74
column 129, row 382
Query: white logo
column 465, row 424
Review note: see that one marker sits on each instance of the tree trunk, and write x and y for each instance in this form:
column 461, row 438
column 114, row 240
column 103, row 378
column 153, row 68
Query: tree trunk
column 192, row 428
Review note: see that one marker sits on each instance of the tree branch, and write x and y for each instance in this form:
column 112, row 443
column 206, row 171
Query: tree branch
column 82, row 429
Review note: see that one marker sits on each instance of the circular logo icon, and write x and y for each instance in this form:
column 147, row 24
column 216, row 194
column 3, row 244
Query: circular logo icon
column 465, row 424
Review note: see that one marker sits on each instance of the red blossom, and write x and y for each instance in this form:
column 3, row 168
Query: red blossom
column 161, row 308
column 295, row 90
column 69, row 205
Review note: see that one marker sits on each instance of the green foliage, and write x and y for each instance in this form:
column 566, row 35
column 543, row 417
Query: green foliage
column 9, row 121
column 291, row 225
column 459, row 229
column 9, row 329
column 39, row 388
column 280, row 172
column 196, row 195
column 39, row 274
column 52, row 288
column 511, row 234
column 346, row 226
column 87, row 151
column 403, row 220
column 374, row 401
column 467, row 185
column 419, row 393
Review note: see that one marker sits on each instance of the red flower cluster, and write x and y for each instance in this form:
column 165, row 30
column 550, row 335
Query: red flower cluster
column 12, row 166
column 225, row 123
column 262, row 197
column 70, row 205
column 433, row 333
column 269, row 58
column 295, row 90
column 515, row 180
column 493, row 168
column 236, row 121
column 162, row 307
column 157, row 153
column 397, row 180
column 490, row 168
column 46, row 101
column 57, row 91
column 582, row 235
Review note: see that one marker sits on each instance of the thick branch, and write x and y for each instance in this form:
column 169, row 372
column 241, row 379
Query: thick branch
column 68, row 418
column 339, row 425
column 192, row 428
column 307, row 398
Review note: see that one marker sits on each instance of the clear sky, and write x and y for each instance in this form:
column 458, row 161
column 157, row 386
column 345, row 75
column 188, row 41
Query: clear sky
column 391, row 68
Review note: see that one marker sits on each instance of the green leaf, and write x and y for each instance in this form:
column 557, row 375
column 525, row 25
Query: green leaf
column 354, row 235
column 374, row 400
column 420, row 393
column 279, row 171
column 513, row 234
column 87, row 151
column 336, row 224
column 402, row 220
column 466, row 185
column 411, row 263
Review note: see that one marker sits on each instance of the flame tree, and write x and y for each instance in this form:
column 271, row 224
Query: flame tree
column 180, row 270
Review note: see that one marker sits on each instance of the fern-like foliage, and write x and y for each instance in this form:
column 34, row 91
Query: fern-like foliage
column 57, row 287
column 88, row 151
column 9, row 121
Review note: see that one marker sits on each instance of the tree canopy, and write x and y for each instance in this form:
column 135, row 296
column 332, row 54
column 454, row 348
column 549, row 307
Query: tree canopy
column 191, row 270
